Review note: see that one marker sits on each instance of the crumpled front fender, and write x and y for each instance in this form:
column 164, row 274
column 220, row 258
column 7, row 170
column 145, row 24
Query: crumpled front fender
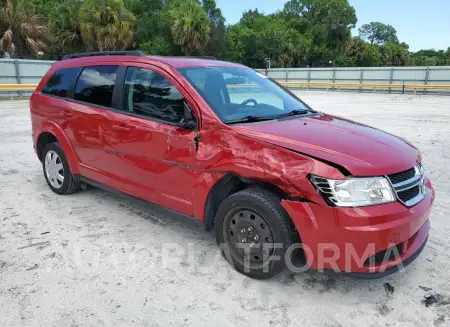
column 224, row 152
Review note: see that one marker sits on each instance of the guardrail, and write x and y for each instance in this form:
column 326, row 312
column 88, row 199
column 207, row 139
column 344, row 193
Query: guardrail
column 31, row 87
column 366, row 85
column 17, row 87
column 374, row 86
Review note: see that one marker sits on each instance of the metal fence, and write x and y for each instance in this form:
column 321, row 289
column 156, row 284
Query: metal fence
column 22, row 72
column 436, row 75
column 31, row 71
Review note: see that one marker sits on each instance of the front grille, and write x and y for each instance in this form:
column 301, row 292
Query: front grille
column 402, row 176
column 409, row 185
column 409, row 194
column 384, row 256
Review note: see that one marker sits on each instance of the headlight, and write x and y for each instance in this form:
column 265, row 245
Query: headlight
column 421, row 169
column 354, row 192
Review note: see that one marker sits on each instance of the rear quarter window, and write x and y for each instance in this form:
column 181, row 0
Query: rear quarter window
column 61, row 82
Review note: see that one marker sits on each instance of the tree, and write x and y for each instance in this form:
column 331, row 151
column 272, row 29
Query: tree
column 22, row 32
column 305, row 33
column 378, row 33
column 328, row 22
column 158, row 45
column 257, row 37
column 218, row 41
column 394, row 54
column 45, row 7
column 105, row 25
column 360, row 54
column 430, row 58
column 191, row 27
column 152, row 30
column 250, row 17
column 65, row 25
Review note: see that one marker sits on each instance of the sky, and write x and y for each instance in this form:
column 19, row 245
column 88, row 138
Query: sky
column 423, row 24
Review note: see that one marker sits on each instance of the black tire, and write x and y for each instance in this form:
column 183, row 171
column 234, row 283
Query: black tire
column 267, row 206
column 71, row 183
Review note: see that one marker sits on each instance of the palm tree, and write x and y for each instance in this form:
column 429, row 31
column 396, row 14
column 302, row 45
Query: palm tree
column 191, row 27
column 22, row 33
column 66, row 28
column 106, row 25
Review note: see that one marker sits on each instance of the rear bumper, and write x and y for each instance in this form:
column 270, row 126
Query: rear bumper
column 352, row 240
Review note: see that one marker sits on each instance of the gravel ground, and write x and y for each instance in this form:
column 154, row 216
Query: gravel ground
column 93, row 259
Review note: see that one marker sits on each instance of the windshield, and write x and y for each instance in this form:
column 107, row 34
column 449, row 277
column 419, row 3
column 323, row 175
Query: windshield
column 238, row 93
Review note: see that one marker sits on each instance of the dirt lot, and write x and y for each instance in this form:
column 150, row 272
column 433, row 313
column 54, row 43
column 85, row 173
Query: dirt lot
column 93, row 259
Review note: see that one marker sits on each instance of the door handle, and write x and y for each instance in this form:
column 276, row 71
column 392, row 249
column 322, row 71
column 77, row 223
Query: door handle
column 121, row 128
column 65, row 113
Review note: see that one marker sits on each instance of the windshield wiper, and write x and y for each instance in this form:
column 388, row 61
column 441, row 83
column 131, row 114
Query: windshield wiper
column 249, row 119
column 295, row 112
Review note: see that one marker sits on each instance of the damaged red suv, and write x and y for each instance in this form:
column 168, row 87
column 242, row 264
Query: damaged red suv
column 228, row 146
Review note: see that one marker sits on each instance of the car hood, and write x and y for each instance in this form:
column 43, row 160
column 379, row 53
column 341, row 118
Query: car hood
column 361, row 149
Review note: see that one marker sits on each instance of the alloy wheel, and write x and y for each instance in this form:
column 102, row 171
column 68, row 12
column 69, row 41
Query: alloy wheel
column 54, row 169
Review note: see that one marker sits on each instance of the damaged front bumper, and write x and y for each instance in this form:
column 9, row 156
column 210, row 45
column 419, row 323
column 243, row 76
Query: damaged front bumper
column 370, row 242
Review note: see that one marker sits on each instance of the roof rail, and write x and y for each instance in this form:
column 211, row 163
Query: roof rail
column 205, row 57
column 104, row 53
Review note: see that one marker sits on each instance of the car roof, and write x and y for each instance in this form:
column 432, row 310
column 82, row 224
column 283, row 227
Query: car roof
column 183, row 62
column 175, row 62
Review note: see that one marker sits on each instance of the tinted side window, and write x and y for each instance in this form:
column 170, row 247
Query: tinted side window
column 96, row 85
column 149, row 94
column 61, row 82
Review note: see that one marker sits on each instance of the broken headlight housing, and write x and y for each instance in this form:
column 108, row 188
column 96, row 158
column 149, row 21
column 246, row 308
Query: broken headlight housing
column 354, row 192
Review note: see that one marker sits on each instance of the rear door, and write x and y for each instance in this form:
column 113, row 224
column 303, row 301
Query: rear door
column 89, row 124
column 156, row 157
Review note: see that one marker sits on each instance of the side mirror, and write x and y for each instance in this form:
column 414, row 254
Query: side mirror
column 189, row 121
column 189, row 125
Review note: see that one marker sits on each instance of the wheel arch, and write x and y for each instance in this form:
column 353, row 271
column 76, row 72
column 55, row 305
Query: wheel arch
column 228, row 184
column 50, row 132
column 43, row 139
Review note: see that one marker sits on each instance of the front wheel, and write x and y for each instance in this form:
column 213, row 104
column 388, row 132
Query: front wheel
column 254, row 233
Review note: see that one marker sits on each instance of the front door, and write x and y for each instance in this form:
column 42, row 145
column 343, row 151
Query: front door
column 155, row 155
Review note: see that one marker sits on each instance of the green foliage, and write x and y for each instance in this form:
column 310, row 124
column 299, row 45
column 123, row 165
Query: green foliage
column 191, row 26
column 395, row 54
column 152, row 30
column 44, row 7
column 23, row 33
column 314, row 33
column 218, row 42
column 430, row 58
column 257, row 37
column 105, row 25
column 360, row 53
column 65, row 24
column 378, row 33
column 158, row 46
column 328, row 22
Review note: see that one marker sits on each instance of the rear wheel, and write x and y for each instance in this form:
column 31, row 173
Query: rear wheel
column 57, row 171
column 254, row 232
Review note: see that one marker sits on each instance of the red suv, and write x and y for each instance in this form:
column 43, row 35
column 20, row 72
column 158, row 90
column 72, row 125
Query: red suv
column 230, row 147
